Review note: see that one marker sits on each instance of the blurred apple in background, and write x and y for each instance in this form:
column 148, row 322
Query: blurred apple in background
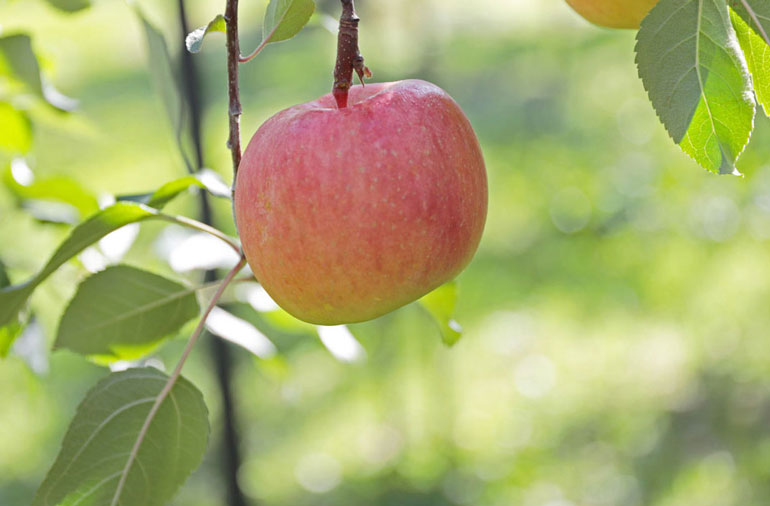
column 613, row 13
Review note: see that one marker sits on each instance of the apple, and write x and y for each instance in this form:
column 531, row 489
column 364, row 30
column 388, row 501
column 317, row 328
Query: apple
column 347, row 214
column 613, row 13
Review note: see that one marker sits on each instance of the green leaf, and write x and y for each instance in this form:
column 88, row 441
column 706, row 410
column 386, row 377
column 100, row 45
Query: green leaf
column 70, row 5
column 96, row 465
column 696, row 77
column 15, row 130
column 13, row 298
column 752, row 26
column 5, row 280
column 57, row 189
column 206, row 179
column 19, row 63
column 285, row 18
column 194, row 39
column 8, row 335
column 440, row 304
column 10, row 332
column 123, row 312
column 166, row 82
column 18, row 60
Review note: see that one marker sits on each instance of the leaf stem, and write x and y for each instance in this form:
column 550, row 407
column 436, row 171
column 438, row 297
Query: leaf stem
column 233, row 90
column 198, row 225
column 260, row 47
column 172, row 380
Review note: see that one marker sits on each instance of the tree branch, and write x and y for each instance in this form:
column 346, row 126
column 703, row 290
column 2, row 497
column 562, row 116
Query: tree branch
column 233, row 91
column 348, row 56
column 230, row 451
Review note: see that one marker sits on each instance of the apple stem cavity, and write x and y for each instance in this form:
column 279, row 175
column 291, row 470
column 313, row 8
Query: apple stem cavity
column 348, row 55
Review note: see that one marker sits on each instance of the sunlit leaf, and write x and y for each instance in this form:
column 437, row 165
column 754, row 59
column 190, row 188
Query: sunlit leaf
column 753, row 30
column 19, row 63
column 194, row 39
column 440, row 304
column 70, row 5
column 341, row 343
column 207, row 180
column 57, row 189
column 15, row 130
column 122, row 312
column 696, row 77
column 96, row 465
column 285, row 18
column 240, row 332
column 13, row 298
column 8, row 335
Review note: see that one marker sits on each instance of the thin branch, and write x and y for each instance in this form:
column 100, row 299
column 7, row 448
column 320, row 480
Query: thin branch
column 172, row 380
column 198, row 225
column 348, row 56
column 230, row 450
column 756, row 21
column 233, row 54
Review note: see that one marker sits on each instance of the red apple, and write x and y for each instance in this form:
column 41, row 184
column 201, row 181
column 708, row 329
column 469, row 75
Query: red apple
column 347, row 214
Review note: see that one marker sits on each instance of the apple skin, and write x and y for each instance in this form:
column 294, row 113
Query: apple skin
column 347, row 214
column 613, row 13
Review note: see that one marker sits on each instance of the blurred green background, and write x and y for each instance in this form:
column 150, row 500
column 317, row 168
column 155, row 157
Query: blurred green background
column 615, row 346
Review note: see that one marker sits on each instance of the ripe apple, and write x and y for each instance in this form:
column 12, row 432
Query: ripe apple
column 613, row 13
column 347, row 214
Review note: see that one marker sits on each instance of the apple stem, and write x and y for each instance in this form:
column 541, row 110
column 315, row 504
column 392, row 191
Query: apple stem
column 348, row 56
column 233, row 92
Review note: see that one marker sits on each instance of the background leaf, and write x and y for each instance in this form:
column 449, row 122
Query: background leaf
column 285, row 18
column 194, row 39
column 341, row 343
column 166, row 82
column 440, row 304
column 238, row 331
column 206, row 179
column 752, row 30
column 15, row 130
column 18, row 60
column 96, row 448
column 19, row 63
column 10, row 332
column 13, row 298
column 70, row 5
column 59, row 189
column 697, row 80
column 123, row 312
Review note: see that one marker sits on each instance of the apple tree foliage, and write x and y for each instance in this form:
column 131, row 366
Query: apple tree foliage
column 137, row 436
column 705, row 64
